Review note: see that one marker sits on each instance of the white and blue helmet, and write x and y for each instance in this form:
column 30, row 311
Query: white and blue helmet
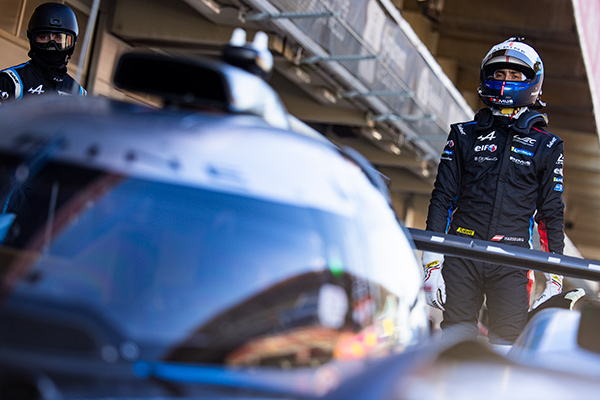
column 516, row 55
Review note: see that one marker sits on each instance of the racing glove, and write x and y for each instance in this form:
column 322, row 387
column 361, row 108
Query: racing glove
column 433, row 283
column 563, row 300
column 553, row 287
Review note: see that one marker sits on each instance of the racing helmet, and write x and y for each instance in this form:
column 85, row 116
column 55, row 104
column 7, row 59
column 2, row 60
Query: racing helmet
column 53, row 27
column 512, row 54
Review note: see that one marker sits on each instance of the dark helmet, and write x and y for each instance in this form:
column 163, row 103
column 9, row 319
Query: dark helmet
column 55, row 18
column 516, row 55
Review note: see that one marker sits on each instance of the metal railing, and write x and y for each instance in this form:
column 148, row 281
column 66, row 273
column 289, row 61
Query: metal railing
column 498, row 253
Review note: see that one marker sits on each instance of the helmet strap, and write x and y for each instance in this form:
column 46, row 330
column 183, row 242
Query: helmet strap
column 510, row 112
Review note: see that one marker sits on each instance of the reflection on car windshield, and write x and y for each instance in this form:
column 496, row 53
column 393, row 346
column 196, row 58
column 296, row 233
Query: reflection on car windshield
column 162, row 259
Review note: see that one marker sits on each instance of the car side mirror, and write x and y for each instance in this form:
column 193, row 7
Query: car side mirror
column 174, row 80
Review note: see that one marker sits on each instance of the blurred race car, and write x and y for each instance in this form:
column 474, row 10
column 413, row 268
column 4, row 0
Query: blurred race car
column 211, row 247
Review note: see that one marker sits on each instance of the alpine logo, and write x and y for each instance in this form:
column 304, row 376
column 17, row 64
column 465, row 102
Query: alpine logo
column 486, row 147
column 489, row 136
column 37, row 90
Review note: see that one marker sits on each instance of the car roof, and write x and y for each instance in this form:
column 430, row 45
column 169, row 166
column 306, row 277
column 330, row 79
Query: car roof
column 236, row 153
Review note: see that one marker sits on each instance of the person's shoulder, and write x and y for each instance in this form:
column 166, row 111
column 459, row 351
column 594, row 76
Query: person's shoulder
column 534, row 122
column 15, row 68
column 483, row 120
column 464, row 127
column 12, row 75
column 543, row 132
column 8, row 78
column 464, row 123
column 550, row 140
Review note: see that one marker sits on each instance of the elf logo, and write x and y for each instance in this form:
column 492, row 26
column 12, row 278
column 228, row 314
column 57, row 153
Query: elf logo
column 486, row 147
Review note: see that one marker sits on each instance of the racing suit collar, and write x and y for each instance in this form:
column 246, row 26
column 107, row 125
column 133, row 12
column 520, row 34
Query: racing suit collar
column 521, row 121
column 55, row 73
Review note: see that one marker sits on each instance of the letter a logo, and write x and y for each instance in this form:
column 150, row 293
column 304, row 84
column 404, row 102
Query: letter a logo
column 37, row 90
column 489, row 136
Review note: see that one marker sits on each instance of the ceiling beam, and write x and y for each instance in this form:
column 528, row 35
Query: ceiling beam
column 375, row 155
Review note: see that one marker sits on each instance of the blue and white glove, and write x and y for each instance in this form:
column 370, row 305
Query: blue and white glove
column 553, row 287
column 433, row 283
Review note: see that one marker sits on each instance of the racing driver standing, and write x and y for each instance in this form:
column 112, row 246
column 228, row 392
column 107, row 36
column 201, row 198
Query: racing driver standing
column 498, row 174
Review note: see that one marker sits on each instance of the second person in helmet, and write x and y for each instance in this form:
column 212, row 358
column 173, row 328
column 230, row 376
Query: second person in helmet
column 498, row 175
column 52, row 34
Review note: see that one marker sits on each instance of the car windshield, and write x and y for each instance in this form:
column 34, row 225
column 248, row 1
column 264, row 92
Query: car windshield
column 171, row 266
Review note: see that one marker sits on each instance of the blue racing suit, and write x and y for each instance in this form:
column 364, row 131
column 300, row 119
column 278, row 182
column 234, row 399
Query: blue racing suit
column 32, row 79
column 497, row 175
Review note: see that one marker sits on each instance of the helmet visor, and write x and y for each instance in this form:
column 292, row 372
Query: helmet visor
column 57, row 40
column 507, row 74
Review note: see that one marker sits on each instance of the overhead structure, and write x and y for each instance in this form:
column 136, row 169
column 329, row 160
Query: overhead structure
column 373, row 60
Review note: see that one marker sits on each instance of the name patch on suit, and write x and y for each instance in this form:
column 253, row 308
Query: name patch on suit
column 465, row 231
